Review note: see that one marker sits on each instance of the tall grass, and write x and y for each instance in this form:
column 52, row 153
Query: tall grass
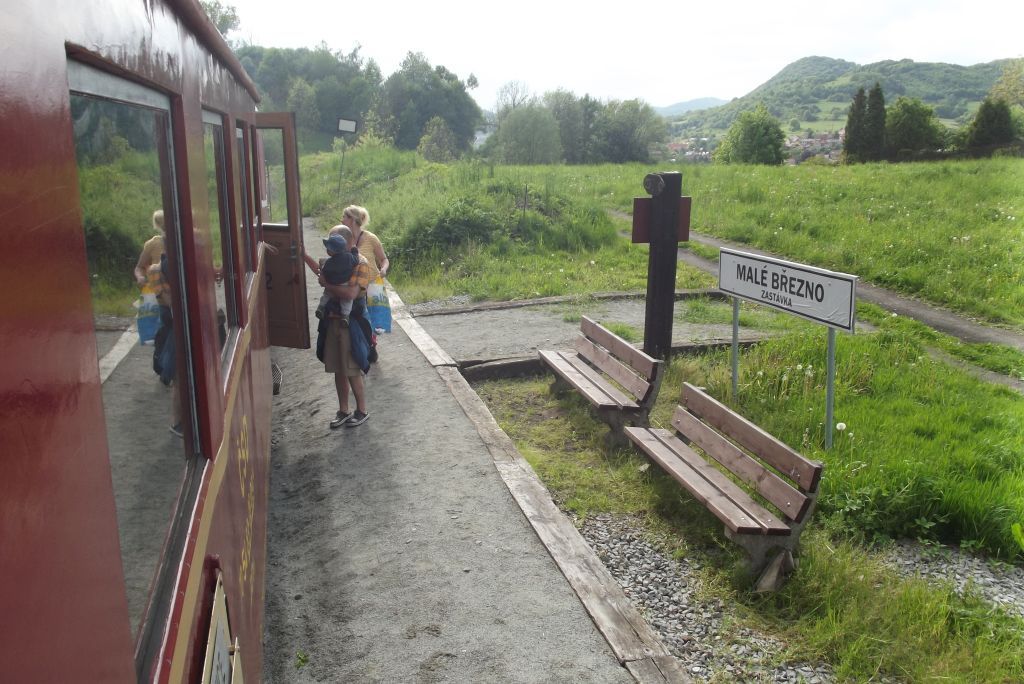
column 949, row 232
column 478, row 230
column 927, row 451
column 843, row 604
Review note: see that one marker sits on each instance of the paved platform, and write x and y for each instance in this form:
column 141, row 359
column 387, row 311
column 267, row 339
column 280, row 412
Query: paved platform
column 420, row 546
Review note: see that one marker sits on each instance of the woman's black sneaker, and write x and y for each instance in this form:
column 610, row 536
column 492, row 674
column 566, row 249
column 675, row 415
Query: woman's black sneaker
column 340, row 419
column 357, row 418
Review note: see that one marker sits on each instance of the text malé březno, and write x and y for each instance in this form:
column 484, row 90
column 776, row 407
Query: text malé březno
column 779, row 288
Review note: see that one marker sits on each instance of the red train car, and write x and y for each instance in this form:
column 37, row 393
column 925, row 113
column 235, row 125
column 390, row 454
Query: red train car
column 134, row 475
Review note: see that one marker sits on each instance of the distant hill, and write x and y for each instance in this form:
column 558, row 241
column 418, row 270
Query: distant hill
column 689, row 106
column 819, row 89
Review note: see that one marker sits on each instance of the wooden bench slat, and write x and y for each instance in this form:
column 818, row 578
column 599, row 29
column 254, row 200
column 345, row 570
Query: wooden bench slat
column 581, row 367
column 790, row 501
column 593, row 393
column 615, row 369
column 769, row 522
column 633, row 357
column 805, row 472
column 707, row 484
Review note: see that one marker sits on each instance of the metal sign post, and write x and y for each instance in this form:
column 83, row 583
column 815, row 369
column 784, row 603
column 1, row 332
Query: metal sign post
column 735, row 344
column 344, row 126
column 813, row 293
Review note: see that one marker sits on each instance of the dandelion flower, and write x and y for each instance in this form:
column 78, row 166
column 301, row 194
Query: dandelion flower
column 840, row 426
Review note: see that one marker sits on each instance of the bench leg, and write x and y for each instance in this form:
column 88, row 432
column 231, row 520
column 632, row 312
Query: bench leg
column 558, row 385
column 770, row 573
column 775, row 572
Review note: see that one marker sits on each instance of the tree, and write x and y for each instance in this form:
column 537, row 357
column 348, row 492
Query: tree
column 625, row 131
column 754, row 138
column 224, row 17
column 302, row 101
column 1010, row 84
column 438, row 142
column 416, row 93
column 910, row 125
column 529, row 135
column 568, row 112
column 874, row 125
column 274, row 74
column 511, row 95
column 853, row 143
column 992, row 125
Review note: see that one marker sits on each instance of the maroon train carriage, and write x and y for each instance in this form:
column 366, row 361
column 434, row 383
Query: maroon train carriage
column 129, row 551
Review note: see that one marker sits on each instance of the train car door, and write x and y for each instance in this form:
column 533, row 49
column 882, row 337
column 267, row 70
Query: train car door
column 281, row 214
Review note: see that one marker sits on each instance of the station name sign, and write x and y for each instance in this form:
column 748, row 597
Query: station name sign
column 813, row 293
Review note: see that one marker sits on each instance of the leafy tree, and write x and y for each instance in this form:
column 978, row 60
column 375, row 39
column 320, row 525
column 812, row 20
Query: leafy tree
column 1010, row 84
column 992, row 125
column 302, row 101
column 755, row 138
column 625, row 131
column 568, row 112
column 853, row 143
column 438, row 142
column 911, row 125
column 223, row 16
column 416, row 93
column 274, row 74
column 529, row 135
column 794, row 125
column 874, row 125
column 374, row 134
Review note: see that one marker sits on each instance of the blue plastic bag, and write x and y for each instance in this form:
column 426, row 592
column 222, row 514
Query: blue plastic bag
column 378, row 306
column 147, row 318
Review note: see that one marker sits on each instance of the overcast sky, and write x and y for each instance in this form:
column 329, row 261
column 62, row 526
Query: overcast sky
column 662, row 53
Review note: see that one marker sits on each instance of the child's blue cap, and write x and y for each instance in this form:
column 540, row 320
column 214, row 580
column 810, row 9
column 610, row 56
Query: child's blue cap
column 335, row 244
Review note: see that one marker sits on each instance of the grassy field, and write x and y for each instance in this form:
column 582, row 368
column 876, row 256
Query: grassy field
column 948, row 232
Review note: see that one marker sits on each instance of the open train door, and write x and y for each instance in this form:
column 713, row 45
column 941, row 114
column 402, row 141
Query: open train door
column 277, row 157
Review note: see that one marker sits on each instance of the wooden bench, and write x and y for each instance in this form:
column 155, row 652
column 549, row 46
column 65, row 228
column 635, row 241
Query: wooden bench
column 784, row 483
column 601, row 364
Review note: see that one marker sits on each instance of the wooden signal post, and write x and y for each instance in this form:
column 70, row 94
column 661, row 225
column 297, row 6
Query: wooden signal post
column 663, row 220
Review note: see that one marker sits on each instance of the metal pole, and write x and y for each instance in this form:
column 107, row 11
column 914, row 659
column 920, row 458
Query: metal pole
column 735, row 344
column 341, row 167
column 830, row 387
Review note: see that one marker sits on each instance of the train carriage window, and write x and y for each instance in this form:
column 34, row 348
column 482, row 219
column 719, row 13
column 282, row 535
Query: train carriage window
column 225, row 271
column 245, row 215
column 274, row 204
column 123, row 143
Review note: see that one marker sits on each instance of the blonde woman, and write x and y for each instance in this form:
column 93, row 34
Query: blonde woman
column 356, row 218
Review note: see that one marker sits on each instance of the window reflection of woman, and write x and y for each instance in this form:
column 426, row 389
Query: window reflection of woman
column 150, row 272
